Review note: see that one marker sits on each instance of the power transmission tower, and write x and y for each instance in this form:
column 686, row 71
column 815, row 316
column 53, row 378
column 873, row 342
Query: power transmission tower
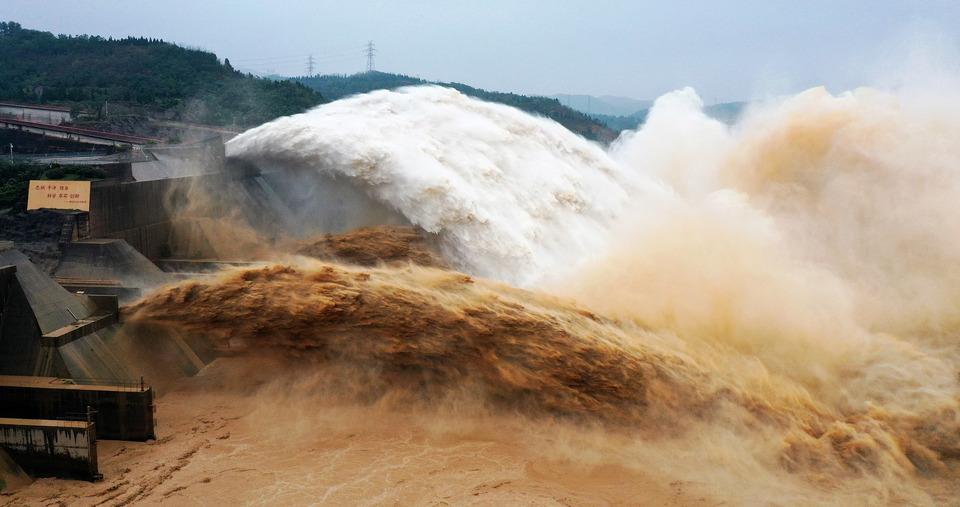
column 310, row 65
column 370, row 52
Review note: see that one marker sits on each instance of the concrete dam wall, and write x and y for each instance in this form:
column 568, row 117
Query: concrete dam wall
column 51, row 447
column 122, row 412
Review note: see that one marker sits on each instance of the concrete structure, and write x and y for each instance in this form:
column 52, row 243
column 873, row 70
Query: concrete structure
column 35, row 112
column 47, row 331
column 52, row 447
column 108, row 266
column 79, row 134
column 306, row 202
column 180, row 160
column 139, row 213
column 62, row 352
column 170, row 204
column 317, row 203
column 180, row 217
column 12, row 475
column 31, row 306
column 116, row 165
column 122, row 411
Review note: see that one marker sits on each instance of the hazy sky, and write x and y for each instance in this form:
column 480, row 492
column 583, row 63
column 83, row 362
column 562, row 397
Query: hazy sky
column 726, row 49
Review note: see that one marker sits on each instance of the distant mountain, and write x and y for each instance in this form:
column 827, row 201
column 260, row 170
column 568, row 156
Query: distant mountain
column 185, row 84
column 727, row 113
column 334, row 87
column 607, row 105
column 621, row 123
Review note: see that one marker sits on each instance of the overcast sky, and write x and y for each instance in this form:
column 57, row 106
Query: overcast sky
column 726, row 49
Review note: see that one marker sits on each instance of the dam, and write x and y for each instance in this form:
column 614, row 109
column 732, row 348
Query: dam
column 781, row 326
column 71, row 372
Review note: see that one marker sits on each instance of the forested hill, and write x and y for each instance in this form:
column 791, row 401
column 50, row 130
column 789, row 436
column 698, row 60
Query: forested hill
column 39, row 67
column 85, row 72
column 334, row 87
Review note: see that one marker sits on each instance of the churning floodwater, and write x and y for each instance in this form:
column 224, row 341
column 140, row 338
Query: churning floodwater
column 769, row 309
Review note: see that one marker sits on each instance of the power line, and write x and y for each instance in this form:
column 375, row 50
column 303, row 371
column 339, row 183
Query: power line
column 370, row 52
column 318, row 55
column 270, row 58
column 313, row 60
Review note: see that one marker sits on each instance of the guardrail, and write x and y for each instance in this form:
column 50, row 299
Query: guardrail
column 82, row 154
column 74, row 419
column 80, row 131
column 140, row 384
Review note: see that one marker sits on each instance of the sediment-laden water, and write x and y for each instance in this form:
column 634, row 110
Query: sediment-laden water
column 763, row 312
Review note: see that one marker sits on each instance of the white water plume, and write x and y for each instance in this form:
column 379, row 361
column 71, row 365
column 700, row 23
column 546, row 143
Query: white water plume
column 512, row 196
column 805, row 257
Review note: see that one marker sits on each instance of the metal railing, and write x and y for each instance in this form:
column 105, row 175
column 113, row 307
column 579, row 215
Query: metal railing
column 141, row 384
column 80, row 154
column 73, row 420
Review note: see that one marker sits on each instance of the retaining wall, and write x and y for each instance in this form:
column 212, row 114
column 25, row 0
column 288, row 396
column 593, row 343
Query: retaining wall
column 51, row 448
column 137, row 212
column 122, row 413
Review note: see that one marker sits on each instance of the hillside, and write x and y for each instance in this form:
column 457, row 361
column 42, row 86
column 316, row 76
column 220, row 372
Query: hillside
column 334, row 87
column 85, row 72
column 603, row 105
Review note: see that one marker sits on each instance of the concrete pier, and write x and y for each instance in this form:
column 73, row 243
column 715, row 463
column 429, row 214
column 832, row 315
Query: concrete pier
column 123, row 412
column 51, row 447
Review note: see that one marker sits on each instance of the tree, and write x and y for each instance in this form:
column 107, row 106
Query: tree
column 144, row 72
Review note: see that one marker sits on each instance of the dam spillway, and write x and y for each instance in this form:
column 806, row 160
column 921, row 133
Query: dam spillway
column 62, row 345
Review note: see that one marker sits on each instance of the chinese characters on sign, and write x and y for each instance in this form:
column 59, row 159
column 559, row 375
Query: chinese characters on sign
column 68, row 195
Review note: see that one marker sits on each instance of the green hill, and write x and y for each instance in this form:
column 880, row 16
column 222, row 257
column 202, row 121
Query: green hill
column 87, row 71
column 603, row 105
column 334, row 87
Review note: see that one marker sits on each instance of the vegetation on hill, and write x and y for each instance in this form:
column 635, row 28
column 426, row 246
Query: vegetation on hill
column 621, row 123
column 184, row 84
column 39, row 67
column 609, row 105
column 334, row 87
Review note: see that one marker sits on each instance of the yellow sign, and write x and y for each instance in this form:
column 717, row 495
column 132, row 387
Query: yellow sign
column 73, row 195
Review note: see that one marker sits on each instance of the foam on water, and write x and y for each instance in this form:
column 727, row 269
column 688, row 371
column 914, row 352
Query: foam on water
column 787, row 286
